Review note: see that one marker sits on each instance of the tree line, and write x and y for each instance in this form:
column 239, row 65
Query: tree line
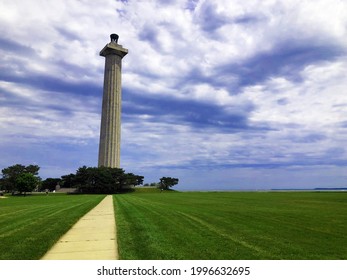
column 21, row 179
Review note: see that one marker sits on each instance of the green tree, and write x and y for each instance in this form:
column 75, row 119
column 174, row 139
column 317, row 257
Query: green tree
column 11, row 173
column 32, row 169
column 104, row 179
column 50, row 183
column 167, row 182
column 2, row 186
column 68, row 181
column 26, row 182
column 133, row 180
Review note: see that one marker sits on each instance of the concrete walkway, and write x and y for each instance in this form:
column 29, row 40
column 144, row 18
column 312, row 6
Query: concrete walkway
column 93, row 237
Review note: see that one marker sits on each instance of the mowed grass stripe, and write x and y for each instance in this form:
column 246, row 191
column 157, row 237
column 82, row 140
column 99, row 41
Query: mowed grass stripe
column 221, row 233
column 30, row 225
column 163, row 232
column 141, row 230
column 232, row 225
column 34, row 217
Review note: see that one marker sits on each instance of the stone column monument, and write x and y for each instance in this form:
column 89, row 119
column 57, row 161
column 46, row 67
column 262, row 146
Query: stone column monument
column 109, row 146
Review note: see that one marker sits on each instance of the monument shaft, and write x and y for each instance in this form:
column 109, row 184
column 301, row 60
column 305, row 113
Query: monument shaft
column 110, row 131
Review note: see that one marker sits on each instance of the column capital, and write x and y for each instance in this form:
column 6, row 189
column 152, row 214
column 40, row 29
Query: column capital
column 115, row 49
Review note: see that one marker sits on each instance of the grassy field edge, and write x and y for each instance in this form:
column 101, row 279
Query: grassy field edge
column 31, row 225
column 232, row 225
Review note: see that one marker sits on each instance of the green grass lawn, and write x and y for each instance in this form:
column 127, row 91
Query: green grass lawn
column 173, row 225
column 30, row 225
column 234, row 225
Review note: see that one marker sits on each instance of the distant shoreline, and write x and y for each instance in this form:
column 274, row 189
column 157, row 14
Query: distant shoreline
column 314, row 189
column 268, row 190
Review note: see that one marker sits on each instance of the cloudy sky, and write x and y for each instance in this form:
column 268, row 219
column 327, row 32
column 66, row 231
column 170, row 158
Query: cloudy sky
column 220, row 94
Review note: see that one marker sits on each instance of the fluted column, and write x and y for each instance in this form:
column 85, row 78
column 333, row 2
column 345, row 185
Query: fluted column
column 110, row 131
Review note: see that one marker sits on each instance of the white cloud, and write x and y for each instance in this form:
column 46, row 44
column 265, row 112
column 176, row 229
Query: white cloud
column 309, row 103
column 40, row 117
